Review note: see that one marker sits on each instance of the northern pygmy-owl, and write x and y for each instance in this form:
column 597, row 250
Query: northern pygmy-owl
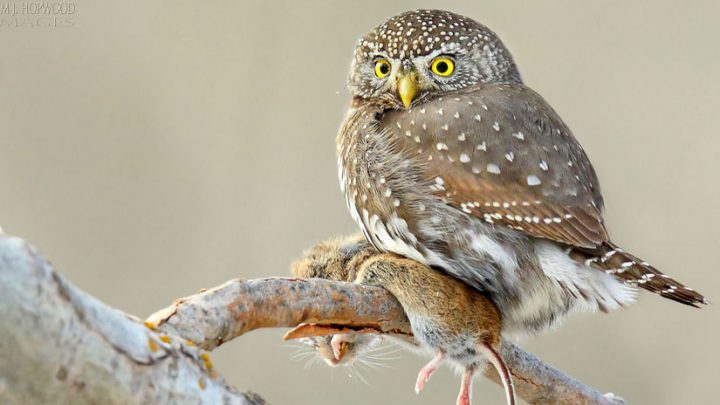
column 446, row 157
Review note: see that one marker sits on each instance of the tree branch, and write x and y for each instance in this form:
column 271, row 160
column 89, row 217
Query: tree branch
column 223, row 313
column 237, row 307
column 59, row 344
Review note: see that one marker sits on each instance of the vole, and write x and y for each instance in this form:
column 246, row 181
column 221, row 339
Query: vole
column 449, row 319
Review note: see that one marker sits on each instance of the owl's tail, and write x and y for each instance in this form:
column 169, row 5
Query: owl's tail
column 613, row 260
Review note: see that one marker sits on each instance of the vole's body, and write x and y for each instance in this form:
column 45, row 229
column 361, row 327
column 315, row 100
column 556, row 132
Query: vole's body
column 449, row 319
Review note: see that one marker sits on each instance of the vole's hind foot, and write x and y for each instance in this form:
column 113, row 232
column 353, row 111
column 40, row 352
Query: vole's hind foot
column 427, row 371
column 465, row 387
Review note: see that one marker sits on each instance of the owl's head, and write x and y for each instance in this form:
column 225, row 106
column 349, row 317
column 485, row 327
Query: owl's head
column 422, row 54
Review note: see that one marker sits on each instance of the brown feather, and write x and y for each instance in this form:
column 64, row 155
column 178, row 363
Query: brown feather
column 526, row 172
column 627, row 267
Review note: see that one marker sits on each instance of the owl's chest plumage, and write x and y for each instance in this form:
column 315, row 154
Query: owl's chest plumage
column 399, row 209
column 382, row 186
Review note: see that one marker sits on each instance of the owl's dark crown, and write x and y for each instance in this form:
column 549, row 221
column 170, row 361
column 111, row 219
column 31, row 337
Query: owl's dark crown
column 422, row 32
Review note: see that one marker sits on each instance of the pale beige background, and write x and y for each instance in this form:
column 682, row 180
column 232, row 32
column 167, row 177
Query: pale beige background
column 158, row 147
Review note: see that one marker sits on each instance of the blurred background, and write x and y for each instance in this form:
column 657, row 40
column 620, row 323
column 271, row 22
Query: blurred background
column 150, row 149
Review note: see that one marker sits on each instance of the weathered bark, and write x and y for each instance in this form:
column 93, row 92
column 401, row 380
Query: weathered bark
column 58, row 344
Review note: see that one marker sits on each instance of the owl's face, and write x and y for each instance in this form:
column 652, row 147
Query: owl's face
column 422, row 54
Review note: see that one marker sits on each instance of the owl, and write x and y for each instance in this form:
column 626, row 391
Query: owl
column 446, row 157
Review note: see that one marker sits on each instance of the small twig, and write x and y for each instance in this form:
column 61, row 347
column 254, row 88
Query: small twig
column 220, row 314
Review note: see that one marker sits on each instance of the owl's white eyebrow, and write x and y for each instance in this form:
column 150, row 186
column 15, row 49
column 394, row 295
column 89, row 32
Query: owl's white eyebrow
column 453, row 47
column 449, row 49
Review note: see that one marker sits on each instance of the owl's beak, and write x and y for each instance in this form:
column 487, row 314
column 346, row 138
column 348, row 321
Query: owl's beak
column 407, row 85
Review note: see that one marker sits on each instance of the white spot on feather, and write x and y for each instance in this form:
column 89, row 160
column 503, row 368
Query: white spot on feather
column 533, row 180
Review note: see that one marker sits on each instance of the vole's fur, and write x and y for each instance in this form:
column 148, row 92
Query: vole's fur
column 449, row 319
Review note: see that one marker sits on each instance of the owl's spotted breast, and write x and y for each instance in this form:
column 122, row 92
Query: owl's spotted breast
column 377, row 183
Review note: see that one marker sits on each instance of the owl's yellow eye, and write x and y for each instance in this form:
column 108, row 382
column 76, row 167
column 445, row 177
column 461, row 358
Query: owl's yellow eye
column 382, row 68
column 442, row 66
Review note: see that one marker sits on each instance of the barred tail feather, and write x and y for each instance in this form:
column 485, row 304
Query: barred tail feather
column 633, row 271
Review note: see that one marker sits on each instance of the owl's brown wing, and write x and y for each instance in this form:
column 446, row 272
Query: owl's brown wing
column 502, row 154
